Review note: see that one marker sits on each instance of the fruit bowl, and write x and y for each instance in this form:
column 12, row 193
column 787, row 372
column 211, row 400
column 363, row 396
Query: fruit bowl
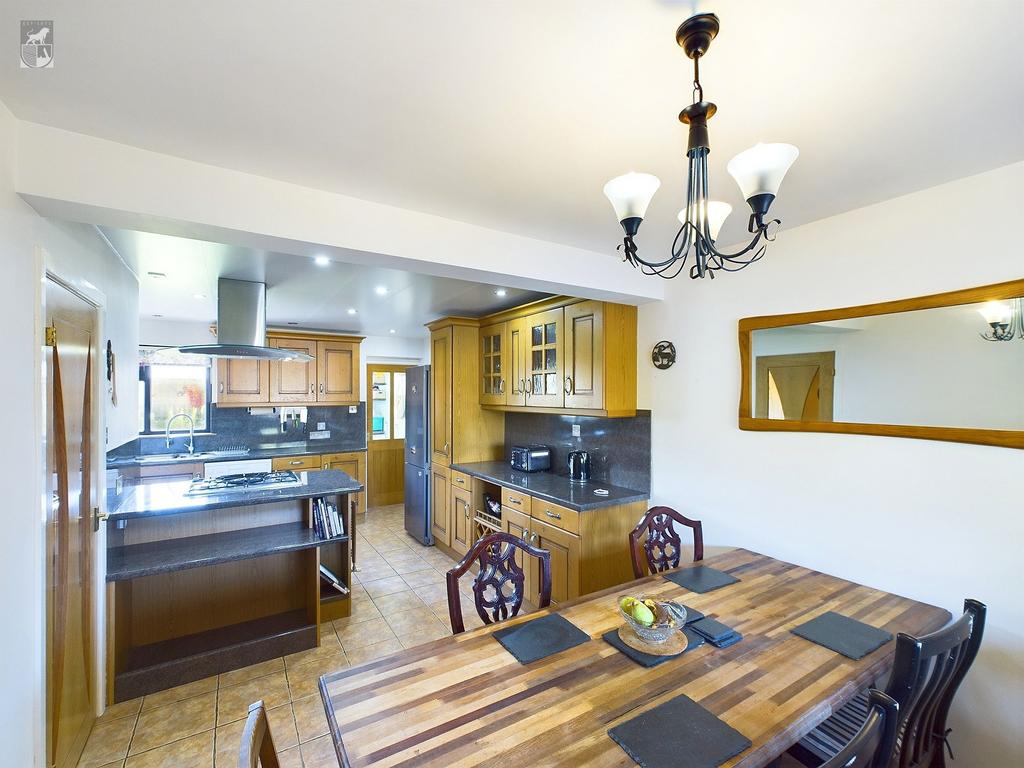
column 650, row 619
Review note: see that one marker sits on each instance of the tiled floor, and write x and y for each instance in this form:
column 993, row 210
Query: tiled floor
column 399, row 600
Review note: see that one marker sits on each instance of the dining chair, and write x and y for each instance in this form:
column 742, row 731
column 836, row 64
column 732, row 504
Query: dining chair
column 500, row 585
column 925, row 676
column 873, row 744
column 257, row 744
column 662, row 545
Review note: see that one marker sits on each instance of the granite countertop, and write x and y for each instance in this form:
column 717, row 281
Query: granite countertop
column 311, row 448
column 169, row 498
column 551, row 487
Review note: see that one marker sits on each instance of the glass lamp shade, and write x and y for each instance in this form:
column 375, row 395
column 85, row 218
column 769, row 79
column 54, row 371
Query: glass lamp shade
column 995, row 312
column 631, row 193
column 718, row 212
column 760, row 169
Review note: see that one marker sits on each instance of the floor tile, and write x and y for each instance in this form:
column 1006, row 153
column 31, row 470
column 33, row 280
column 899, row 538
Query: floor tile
column 193, row 752
column 121, row 709
column 431, row 593
column 364, row 633
column 423, row 577
column 424, row 633
column 310, row 717
column 304, row 680
column 409, row 565
column 389, row 605
column 386, row 586
column 375, row 651
column 368, row 573
column 162, row 725
column 411, row 620
column 319, row 753
column 108, row 742
column 253, row 670
column 180, row 692
column 233, row 702
column 290, row 758
column 329, row 646
column 362, row 610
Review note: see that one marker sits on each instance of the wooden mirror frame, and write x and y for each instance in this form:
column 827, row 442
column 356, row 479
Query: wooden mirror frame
column 1006, row 438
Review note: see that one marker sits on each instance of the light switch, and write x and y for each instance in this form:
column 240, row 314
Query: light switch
column 575, row 430
column 353, row 409
column 321, row 425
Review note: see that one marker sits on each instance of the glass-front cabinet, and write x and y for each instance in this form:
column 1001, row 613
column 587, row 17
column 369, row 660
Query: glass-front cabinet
column 494, row 367
column 544, row 364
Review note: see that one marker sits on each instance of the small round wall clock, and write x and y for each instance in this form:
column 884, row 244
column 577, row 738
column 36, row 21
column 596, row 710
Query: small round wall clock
column 663, row 355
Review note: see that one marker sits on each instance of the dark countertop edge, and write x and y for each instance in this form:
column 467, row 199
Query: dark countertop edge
column 247, row 500
column 630, row 495
column 120, row 462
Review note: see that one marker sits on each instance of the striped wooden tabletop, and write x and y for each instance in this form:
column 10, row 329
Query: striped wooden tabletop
column 465, row 701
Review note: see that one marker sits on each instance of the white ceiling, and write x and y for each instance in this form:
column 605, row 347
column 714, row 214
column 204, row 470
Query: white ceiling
column 513, row 115
column 298, row 291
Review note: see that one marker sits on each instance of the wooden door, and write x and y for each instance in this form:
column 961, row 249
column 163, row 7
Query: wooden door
column 584, row 355
column 354, row 465
column 494, row 359
column 516, row 387
column 70, row 598
column 565, row 560
column 385, row 434
column 518, row 524
column 795, row 387
column 293, row 382
column 242, row 381
column 544, row 366
column 462, row 519
column 337, row 372
column 440, row 522
column 441, row 395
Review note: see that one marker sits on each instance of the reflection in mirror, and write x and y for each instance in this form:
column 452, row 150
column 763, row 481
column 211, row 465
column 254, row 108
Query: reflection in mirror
column 958, row 366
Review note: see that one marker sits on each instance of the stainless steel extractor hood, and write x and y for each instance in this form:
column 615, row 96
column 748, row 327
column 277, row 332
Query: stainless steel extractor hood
column 242, row 325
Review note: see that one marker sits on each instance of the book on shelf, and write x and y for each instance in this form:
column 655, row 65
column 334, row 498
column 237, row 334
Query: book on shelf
column 328, row 576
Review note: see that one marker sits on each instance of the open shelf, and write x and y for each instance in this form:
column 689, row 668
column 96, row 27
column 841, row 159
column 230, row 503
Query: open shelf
column 150, row 668
column 135, row 560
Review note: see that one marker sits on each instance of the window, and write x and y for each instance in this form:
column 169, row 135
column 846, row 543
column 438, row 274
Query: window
column 169, row 388
column 387, row 404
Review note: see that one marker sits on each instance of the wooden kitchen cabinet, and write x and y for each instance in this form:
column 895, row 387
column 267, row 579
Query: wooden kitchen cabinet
column 440, row 517
column 544, row 365
column 243, row 381
column 337, row 372
column 518, row 524
column 461, row 512
column 293, row 382
column 584, row 355
column 352, row 463
column 565, row 561
column 516, row 388
column 295, row 463
column 494, row 364
column 441, row 395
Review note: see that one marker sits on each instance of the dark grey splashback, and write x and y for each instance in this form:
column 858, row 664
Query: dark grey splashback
column 237, row 428
column 620, row 449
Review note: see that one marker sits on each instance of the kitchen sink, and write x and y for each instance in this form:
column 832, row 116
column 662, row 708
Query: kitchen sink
column 164, row 458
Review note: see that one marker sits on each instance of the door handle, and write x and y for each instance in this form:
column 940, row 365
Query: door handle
column 501, row 386
column 412, row 448
column 97, row 518
column 446, row 449
column 296, row 462
column 312, row 389
column 552, row 515
column 460, row 481
column 568, row 385
column 321, row 389
column 513, row 500
column 220, row 387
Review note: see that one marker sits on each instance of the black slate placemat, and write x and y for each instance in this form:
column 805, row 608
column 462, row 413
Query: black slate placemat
column 541, row 637
column 678, row 734
column 701, row 578
column 648, row 659
column 854, row 639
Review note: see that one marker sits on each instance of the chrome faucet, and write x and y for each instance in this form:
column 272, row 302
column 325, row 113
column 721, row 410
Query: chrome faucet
column 191, row 431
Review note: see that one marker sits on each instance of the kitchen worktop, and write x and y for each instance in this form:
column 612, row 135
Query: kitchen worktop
column 169, row 498
column 310, row 448
column 551, row 487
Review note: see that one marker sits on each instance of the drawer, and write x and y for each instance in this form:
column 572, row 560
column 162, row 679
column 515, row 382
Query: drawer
column 515, row 500
column 461, row 480
column 556, row 515
column 296, row 462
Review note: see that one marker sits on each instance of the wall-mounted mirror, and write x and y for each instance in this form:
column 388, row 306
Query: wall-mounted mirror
column 943, row 367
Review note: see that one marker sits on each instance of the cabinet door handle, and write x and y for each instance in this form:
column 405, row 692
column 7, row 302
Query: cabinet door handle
column 514, row 500
column 321, row 389
column 501, row 386
column 220, row 387
column 312, row 389
column 568, row 385
column 460, row 481
column 446, row 449
column 296, row 462
column 552, row 515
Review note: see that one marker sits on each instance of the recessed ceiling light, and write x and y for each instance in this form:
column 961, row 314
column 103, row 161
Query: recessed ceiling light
column 392, row 330
column 199, row 296
column 500, row 292
column 157, row 315
column 382, row 290
column 157, row 275
column 351, row 310
column 322, row 261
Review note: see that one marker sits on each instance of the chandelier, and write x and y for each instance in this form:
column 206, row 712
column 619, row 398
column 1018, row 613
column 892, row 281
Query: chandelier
column 758, row 171
column 1004, row 318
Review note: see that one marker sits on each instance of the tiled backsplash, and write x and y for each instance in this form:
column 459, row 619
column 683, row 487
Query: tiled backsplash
column 620, row 449
column 236, row 427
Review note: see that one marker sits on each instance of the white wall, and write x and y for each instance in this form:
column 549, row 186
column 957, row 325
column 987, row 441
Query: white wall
column 934, row 521
column 79, row 255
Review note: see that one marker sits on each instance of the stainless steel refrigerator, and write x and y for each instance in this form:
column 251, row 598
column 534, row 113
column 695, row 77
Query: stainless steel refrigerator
column 417, row 453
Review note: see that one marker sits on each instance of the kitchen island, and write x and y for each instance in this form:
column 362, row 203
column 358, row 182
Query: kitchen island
column 203, row 583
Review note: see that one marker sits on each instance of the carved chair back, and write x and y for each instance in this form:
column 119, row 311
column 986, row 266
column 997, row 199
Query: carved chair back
column 499, row 587
column 662, row 545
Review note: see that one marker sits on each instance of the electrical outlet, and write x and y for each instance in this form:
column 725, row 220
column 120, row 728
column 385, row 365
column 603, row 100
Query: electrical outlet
column 353, row 409
column 321, row 426
column 575, row 430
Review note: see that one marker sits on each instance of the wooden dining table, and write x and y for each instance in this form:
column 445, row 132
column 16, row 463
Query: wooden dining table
column 466, row 701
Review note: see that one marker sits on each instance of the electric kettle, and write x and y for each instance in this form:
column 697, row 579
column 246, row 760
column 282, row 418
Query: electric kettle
column 579, row 466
